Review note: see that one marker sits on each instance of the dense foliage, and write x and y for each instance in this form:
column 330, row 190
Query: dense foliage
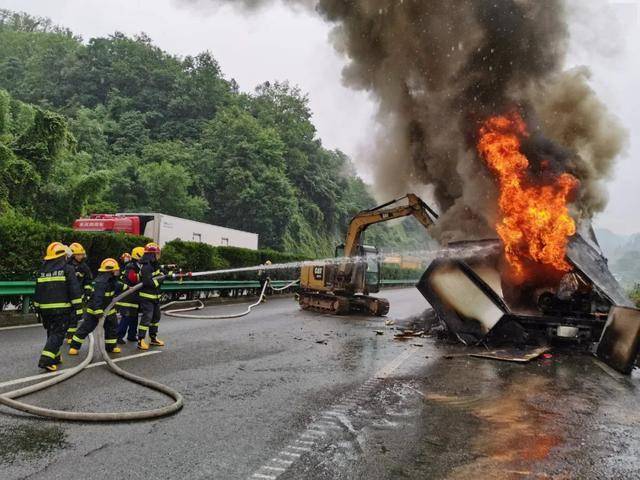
column 192, row 256
column 24, row 240
column 117, row 124
column 635, row 295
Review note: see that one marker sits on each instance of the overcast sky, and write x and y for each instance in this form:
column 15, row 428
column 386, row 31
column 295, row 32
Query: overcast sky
column 279, row 44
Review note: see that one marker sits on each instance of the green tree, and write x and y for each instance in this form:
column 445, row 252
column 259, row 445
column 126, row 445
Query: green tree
column 166, row 188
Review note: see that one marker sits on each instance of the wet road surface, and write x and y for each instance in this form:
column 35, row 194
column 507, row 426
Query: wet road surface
column 298, row 395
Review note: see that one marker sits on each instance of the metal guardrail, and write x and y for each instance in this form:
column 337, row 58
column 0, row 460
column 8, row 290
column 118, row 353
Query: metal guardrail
column 399, row 282
column 25, row 289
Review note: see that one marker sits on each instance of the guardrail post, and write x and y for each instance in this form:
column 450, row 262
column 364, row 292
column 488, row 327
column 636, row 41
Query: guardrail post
column 26, row 302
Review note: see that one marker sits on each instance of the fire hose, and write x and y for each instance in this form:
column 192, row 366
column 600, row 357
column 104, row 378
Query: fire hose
column 9, row 398
column 180, row 312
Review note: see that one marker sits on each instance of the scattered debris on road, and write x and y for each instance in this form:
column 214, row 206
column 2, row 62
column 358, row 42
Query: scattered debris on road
column 517, row 355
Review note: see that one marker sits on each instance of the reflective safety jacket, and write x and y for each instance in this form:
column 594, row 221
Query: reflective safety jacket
column 83, row 272
column 57, row 288
column 105, row 287
column 129, row 278
column 150, row 286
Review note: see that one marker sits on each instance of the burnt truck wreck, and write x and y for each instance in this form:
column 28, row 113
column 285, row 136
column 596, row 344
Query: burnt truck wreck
column 588, row 307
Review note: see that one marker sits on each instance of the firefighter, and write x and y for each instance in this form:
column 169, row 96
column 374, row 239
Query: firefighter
column 150, row 297
column 85, row 277
column 105, row 287
column 57, row 294
column 124, row 259
column 128, row 307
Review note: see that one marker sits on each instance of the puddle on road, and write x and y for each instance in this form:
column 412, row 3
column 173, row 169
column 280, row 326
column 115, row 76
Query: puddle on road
column 29, row 441
column 513, row 435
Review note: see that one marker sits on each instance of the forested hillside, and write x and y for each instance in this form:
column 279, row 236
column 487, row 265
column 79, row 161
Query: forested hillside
column 116, row 124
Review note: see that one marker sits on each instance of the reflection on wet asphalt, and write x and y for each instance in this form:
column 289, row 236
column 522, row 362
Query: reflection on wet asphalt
column 466, row 418
column 297, row 395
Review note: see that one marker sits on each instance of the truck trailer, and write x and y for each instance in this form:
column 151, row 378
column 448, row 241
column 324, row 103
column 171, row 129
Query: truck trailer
column 165, row 228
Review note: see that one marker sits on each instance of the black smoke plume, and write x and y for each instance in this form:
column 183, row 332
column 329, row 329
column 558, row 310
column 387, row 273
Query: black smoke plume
column 438, row 68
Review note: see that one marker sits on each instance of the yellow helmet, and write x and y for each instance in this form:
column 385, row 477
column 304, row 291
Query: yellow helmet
column 137, row 253
column 109, row 265
column 125, row 257
column 77, row 249
column 55, row 250
column 268, row 262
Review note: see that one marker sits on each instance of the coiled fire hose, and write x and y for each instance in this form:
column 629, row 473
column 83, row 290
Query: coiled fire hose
column 8, row 399
column 180, row 312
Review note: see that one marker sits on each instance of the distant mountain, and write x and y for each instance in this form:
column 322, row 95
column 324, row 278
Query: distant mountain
column 610, row 241
column 623, row 252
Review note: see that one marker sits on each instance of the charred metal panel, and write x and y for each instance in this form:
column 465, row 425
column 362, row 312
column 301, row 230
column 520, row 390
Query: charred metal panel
column 463, row 300
column 594, row 266
column 620, row 343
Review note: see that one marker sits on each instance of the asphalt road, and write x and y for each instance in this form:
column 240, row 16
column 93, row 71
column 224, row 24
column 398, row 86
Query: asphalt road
column 299, row 395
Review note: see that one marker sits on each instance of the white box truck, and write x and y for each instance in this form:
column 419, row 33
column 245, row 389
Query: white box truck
column 165, row 228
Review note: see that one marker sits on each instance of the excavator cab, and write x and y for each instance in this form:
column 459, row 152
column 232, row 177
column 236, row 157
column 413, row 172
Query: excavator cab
column 371, row 256
column 366, row 263
column 343, row 285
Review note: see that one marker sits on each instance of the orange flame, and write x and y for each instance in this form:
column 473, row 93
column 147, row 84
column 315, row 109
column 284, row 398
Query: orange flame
column 535, row 224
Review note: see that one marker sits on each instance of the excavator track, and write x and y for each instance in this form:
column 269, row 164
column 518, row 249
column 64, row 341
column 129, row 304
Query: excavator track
column 343, row 305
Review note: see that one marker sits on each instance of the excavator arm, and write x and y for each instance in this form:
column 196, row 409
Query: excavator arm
column 382, row 213
column 342, row 287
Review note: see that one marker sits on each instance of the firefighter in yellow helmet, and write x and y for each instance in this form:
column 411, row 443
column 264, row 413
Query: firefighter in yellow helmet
column 129, row 307
column 105, row 287
column 150, row 297
column 85, row 277
column 58, row 294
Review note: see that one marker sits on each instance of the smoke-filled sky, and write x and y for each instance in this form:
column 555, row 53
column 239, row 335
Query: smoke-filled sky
column 278, row 43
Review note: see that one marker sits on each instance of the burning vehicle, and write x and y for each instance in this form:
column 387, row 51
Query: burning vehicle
column 545, row 278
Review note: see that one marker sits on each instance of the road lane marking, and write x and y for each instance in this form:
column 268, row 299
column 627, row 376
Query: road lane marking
column 16, row 327
column 337, row 412
column 42, row 376
column 291, row 454
column 303, row 449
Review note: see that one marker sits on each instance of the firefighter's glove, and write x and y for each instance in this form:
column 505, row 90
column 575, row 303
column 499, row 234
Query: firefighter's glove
column 171, row 275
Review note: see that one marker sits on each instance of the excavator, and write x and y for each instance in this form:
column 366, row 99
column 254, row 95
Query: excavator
column 344, row 285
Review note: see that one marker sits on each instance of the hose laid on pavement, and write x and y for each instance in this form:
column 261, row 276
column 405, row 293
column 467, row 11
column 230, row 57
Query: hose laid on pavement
column 200, row 306
column 179, row 312
column 285, row 287
column 8, row 398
